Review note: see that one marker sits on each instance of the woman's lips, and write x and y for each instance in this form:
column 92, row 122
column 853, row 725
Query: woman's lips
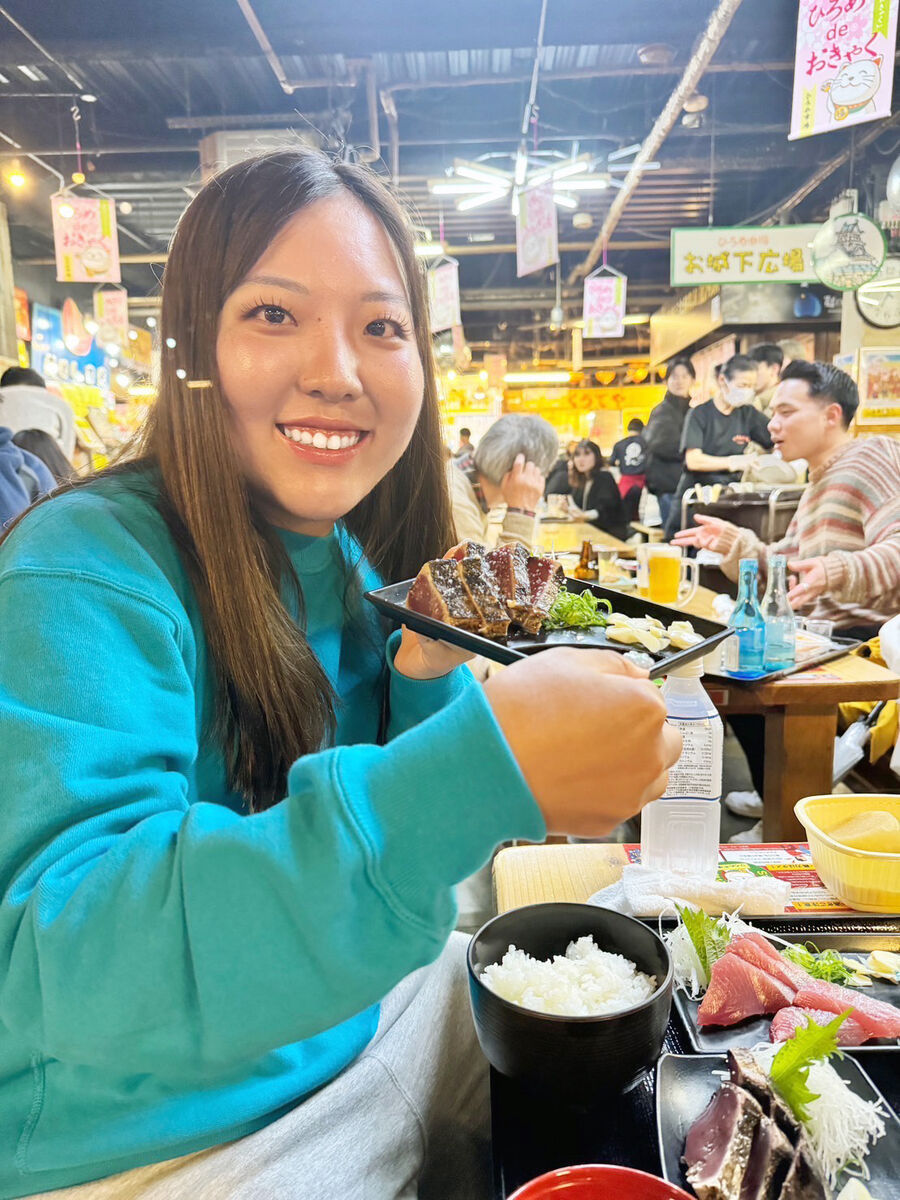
column 323, row 444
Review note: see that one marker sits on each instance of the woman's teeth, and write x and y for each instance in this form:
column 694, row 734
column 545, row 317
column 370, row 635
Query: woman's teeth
column 321, row 440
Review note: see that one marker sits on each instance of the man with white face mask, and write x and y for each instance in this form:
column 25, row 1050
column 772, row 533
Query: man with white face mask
column 717, row 434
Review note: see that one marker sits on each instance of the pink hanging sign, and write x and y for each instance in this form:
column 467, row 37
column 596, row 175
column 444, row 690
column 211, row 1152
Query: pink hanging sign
column 537, row 242
column 844, row 64
column 85, row 239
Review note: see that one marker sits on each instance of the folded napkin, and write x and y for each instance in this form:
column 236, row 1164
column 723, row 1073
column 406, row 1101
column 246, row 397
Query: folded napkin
column 644, row 892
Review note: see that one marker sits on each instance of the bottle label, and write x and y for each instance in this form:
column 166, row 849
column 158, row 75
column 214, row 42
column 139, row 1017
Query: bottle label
column 698, row 773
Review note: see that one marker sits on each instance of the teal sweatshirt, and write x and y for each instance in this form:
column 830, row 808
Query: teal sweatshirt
column 176, row 973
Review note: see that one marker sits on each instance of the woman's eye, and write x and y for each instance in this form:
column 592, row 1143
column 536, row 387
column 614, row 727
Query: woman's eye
column 274, row 315
column 386, row 328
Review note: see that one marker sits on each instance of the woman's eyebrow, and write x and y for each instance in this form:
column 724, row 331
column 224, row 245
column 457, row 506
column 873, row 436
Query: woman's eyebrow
column 290, row 285
column 385, row 298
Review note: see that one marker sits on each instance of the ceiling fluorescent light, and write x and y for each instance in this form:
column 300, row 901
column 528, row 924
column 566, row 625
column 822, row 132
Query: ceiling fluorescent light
column 29, row 74
column 428, row 249
column 3, row 78
column 514, row 206
column 588, row 185
column 636, row 319
column 578, row 167
column 537, row 377
column 449, row 188
column 624, row 152
column 650, row 166
column 521, row 168
column 564, row 201
column 470, row 202
column 481, row 174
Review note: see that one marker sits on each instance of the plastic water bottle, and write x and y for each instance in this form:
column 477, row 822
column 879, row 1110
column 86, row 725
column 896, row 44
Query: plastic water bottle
column 745, row 652
column 781, row 625
column 680, row 831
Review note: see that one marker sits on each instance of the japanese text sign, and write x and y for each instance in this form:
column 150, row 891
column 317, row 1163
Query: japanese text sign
column 85, row 239
column 604, row 304
column 844, row 65
column 537, row 243
column 443, row 295
column 111, row 315
column 750, row 254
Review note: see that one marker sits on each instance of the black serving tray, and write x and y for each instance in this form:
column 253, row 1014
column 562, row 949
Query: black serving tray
column 840, row 647
column 716, row 1039
column 391, row 602
column 685, row 1083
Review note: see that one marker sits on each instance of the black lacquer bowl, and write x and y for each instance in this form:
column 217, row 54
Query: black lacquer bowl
column 576, row 1058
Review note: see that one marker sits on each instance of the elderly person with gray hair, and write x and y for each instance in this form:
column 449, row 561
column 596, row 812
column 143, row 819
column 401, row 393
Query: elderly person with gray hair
column 509, row 467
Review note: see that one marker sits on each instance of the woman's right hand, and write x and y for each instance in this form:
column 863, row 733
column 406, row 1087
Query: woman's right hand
column 589, row 733
column 705, row 534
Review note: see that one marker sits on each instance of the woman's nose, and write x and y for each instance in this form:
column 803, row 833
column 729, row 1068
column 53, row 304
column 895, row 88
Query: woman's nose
column 329, row 369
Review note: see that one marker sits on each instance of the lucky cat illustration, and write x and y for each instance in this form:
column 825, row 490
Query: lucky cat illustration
column 854, row 88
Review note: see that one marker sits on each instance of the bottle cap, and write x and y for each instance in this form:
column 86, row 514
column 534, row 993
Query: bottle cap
column 691, row 670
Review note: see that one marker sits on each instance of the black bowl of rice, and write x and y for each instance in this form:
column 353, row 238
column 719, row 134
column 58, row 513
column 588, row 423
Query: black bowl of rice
column 570, row 998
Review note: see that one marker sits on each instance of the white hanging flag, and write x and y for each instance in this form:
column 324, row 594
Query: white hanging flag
column 537, row 243
column 604, row 303
column 443, row 295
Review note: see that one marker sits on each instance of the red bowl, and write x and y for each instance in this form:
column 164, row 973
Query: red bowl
column 599, row 1183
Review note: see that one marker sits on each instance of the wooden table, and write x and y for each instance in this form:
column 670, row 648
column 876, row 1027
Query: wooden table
column 533, row 1133
column 800, row 714
column 568, row 535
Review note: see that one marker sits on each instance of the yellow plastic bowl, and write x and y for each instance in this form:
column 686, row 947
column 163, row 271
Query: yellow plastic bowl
column 863, row 879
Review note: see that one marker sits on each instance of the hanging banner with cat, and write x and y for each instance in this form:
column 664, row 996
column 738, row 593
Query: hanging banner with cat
column 844, row 66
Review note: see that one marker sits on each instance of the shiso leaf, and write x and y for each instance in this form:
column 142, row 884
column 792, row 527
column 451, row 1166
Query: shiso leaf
column 789, row 1072
column 709, row 935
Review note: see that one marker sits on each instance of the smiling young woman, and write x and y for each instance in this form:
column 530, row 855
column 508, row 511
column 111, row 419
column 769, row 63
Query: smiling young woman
column 232, row 816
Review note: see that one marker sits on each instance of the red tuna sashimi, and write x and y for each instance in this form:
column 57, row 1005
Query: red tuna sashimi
column 878, row 1019
column 787, row 1021
column 737, row 989
column 756, row 949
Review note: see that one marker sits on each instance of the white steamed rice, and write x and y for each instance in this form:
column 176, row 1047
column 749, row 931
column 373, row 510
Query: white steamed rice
column 585, row 982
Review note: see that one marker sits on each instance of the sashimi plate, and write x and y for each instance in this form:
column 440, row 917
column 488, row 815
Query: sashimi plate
column 716, row 1039
column 685, row 1083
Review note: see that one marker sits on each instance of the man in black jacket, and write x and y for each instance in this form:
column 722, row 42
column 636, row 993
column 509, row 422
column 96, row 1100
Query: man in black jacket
column 665, row 458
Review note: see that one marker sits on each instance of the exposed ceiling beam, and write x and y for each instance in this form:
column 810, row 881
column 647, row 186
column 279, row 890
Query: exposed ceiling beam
column 773, row 214
column 706, row 47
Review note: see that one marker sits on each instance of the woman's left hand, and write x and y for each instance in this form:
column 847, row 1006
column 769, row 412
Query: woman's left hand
column 811, row 583
column 420, row 657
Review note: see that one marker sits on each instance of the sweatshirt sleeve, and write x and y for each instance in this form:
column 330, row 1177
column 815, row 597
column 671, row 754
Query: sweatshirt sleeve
column 146, row 932
column 870, row 576
column 735, row 544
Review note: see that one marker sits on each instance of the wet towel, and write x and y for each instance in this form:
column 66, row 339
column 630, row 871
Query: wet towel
column 643, row 892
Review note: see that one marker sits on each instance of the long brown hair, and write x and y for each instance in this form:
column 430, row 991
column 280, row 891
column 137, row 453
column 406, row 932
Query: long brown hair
column 580, row 478
column 274, row 701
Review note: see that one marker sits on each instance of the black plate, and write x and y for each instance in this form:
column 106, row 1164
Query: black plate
column 718, row 1038
column 391, row 602
column 685, row 1082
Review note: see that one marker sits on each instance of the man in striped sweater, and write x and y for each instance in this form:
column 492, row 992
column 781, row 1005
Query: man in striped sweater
column 843, row 544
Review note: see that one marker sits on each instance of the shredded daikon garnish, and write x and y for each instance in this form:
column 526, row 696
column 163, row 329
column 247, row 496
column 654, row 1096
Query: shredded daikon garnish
column 841, row 1127
column 691, row 953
